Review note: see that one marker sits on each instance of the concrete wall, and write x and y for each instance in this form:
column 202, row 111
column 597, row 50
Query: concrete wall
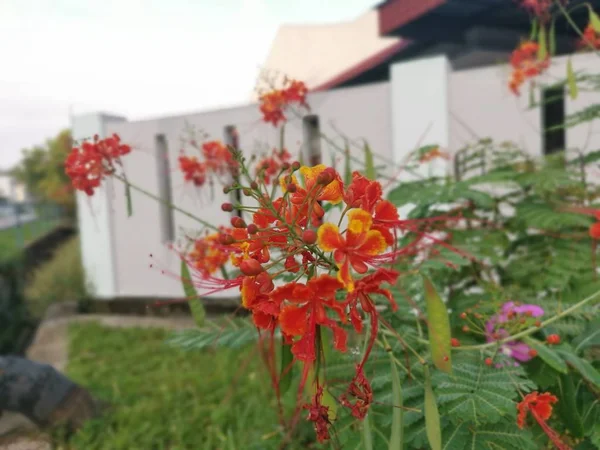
column 96, row 221
column 424, row 103
column 481, row 105
column 361, row 113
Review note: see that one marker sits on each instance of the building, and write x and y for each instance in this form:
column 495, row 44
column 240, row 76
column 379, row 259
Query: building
column 437, row 84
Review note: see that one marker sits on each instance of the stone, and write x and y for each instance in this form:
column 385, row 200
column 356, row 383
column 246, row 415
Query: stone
column 43, row 395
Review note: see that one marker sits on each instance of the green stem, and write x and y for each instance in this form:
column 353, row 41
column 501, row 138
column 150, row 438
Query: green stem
column 532, row 330
column 224, row 273
column 164, row 202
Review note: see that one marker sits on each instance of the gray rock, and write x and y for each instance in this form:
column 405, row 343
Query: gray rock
column 44, row 395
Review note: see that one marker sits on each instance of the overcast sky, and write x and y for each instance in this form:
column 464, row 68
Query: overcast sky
column 135, row 58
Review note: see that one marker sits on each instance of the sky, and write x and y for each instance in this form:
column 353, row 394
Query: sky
column 137, row 58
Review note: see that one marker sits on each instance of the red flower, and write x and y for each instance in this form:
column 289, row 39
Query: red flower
column 360, row 389
column 589, row 38
column 271, row 166
column 370, row 284
column 595, row 230
column 193, row 170
column 356, row 249
column 88, row 164
column 540, row 407
column 306, row 308
column 319, row 414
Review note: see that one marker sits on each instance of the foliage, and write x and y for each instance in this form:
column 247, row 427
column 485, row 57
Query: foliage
column 166, row 398
column 13, row 313
column 11, row 238
column 58, row 280
column 42, row 170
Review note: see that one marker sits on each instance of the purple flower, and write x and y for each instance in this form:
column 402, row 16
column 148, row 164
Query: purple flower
column 514, row 349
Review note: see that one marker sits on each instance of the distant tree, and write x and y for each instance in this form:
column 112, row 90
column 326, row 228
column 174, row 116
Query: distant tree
column 42, row 171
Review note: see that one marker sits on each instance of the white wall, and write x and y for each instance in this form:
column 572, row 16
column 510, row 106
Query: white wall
column 95, row 216
column 481, row 105
column 361, row 112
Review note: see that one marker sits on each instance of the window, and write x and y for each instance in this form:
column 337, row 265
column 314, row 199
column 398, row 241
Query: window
column 312, row 140
column 232, row 141
column 167, row 224
column 553, row 120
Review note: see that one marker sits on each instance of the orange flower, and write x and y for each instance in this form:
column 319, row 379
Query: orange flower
column 321, row 183
column 273, row 103
column 208, row 255
column 360, row 244
column 525, row 64
column 306, row 308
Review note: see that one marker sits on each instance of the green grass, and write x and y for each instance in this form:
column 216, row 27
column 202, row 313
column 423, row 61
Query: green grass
column 12, row 238
column 165, row 398
column 60, row 279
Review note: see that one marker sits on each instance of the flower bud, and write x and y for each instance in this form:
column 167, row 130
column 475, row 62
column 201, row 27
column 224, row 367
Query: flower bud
column 266, row 165
column 325, row 177
column 238, row 222
column 553, row 339
column 309, row 236
column 532, row 352
column 488, row 361
column 254, row 185
column 285, row 166
column 252, row 229
column 295, row 165
column 226, row 189
column 227, row 207
column 226, row 239
column 251, row 267
column 291, row 188
column 465, row 329
column 247, row 192
column 455, row 342
column 463, row 315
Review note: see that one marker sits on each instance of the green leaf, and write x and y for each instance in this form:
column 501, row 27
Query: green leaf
column 128, row 199
column 432, row 415
column 594, row 20
column 347, row 165
column 370, row 171
column 487, row 437
column 589, row 338
column 287, row 370
column 582, row 366
column 438, row 324
column 542, row 44
column 194, row 301
column 478, row 393
column 571, row 81
column 397, row 433
column 235, row 333
column 534, row 29
column 567, row 405
column 548, row 355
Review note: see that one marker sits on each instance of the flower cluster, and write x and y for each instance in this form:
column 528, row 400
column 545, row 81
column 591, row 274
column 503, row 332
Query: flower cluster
column 511, row 318
column 526, row 64
column 274, row 103
column 302, row 275
column 217, row 160
column 540, row 408
column 590, row 38
column 208, row 255
column 88, row 164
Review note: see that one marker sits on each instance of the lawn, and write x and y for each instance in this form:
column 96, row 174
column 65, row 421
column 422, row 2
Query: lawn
column 11, row 238
column 165, row 398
